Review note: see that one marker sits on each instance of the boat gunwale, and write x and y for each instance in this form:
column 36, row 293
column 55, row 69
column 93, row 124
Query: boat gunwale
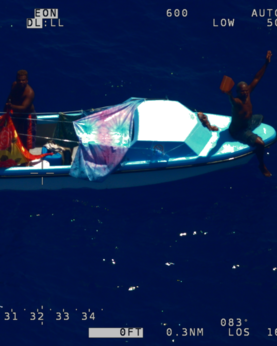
column 38, row 172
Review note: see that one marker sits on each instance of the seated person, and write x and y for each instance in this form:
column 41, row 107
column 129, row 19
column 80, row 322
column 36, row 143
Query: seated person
column 243, row 121
column 20, row 101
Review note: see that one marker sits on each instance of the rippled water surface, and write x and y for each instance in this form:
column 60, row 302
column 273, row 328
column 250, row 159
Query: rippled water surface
column 179, row 260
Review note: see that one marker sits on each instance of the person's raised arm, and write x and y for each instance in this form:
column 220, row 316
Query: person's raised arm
column 231, row 98
column 259, row 75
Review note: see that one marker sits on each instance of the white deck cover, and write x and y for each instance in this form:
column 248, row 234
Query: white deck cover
column 170, row 121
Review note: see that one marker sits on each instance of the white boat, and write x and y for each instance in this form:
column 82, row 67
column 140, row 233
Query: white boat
column 169, row 143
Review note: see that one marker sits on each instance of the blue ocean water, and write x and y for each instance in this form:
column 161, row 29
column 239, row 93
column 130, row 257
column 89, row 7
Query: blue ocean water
column 197, row 256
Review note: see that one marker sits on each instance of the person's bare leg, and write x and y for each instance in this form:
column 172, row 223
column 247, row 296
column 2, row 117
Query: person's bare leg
column 260, row 155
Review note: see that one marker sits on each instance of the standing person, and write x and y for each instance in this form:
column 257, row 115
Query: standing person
column 243, row 122
column 20, row 101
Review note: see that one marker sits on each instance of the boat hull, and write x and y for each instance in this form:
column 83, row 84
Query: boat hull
column 125, row 179
column 163, row 150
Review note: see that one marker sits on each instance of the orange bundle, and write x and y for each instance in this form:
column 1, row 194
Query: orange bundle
column 226, row 84
column 12, row 152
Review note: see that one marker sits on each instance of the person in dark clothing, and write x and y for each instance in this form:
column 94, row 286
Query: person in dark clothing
column 20, row 101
